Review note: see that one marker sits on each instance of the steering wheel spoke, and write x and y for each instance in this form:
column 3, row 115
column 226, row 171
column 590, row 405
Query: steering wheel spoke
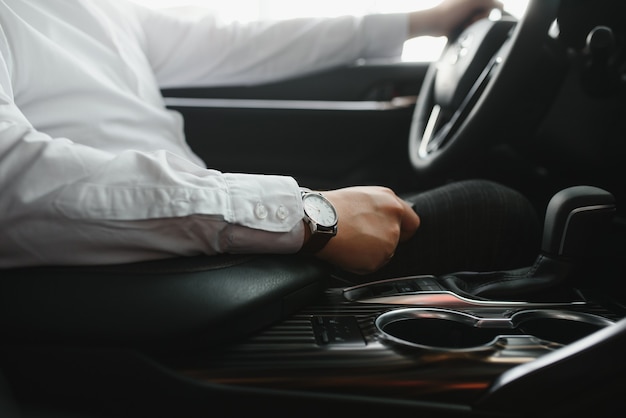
column 429, row 132
column 466, row 89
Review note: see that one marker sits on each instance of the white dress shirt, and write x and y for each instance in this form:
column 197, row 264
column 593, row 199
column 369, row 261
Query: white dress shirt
column 93, row 167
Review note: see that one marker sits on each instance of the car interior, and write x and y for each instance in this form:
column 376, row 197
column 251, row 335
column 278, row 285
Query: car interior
column 537, row 103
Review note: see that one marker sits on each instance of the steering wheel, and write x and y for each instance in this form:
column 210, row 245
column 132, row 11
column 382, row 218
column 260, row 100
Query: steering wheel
column 477, row 76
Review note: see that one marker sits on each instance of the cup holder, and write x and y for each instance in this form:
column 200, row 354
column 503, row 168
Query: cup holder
column 449, row 330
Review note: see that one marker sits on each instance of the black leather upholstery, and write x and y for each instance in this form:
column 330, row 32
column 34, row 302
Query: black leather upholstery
column 204, row 300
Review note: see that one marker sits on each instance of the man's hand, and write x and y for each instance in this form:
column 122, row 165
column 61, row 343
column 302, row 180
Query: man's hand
column 372, row 221
column 449, row 16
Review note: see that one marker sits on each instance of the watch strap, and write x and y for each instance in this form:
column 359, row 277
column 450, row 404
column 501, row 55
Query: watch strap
column 315, row 242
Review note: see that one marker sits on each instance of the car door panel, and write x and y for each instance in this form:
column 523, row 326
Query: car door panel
column 343, row 126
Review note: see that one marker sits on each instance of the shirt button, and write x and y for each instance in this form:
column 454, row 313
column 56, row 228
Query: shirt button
column 260, row 211
column 282, row 213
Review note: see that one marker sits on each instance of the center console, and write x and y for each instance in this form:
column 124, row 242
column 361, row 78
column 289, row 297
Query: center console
column 428, row 345
column 444, row 343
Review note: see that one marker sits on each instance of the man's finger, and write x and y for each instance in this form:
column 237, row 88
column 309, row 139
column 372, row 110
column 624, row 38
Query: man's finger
column 409, row 222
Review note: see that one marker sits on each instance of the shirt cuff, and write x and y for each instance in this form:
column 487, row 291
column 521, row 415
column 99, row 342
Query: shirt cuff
column 265, row 202
column 265, row 214
column 255, row 241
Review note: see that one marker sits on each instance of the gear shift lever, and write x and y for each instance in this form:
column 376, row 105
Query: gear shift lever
column 575, row 220
column 575, row 217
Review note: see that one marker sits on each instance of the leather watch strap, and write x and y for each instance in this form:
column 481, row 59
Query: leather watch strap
column 315, row 242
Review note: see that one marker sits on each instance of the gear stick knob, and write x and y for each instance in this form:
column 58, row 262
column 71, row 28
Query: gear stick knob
column 575, row 220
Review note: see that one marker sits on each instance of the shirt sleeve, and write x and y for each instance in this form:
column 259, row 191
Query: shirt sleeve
column 66, row 203
column 205, row 51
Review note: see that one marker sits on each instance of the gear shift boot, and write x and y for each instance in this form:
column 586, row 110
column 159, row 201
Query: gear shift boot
column 576, row 219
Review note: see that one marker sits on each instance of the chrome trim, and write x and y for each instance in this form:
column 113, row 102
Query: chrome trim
column 393, row 104
column 442, row 298
column 512, row 322
column 519, row 317
column 447, row 298
column 467, row 319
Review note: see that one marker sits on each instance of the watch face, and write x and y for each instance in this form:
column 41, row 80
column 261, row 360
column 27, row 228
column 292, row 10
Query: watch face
column 319, row 210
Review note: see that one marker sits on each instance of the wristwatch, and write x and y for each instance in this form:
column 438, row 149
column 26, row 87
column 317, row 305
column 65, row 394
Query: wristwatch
column 321, row 217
